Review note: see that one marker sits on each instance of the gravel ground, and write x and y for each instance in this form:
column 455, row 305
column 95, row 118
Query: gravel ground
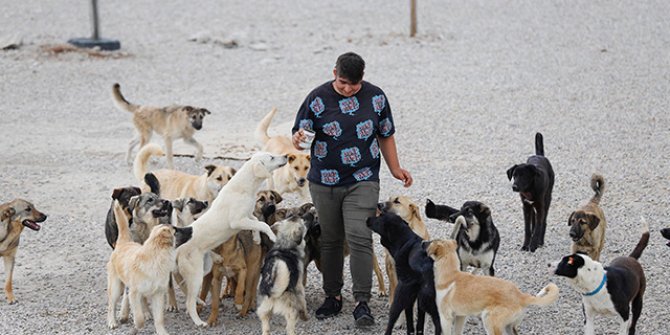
column 468, row 94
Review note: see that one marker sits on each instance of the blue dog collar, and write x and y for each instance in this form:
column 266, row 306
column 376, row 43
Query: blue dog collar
column 600, row 287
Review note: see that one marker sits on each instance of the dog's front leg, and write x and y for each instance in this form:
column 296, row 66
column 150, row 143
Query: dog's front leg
column 137, row 308
column 527, row 220
column 447, row 322
column 198, row 147
column 157, row 307
column 9, row 270
column 537, row 228
column 255, row 225
column 169, row 153
column 589, row 328
column 459, row 322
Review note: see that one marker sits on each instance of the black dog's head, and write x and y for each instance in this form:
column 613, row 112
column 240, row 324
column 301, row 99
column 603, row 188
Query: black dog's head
column 666, row 233
column 392, row 229
column 569, row 266
column 581, row 222
column 524, row 176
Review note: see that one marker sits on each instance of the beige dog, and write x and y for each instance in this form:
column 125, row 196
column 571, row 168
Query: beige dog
column 405, row 208
column 588, row 225
column 176, row 184
column 459, row 294
column 171, row 122
column 14, row 216
column 230, row 212
column 293, row 176
column 144, row 269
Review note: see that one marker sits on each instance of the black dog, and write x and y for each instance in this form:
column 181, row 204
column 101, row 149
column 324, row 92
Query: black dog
column 666, row 233
column 477, row 236
column 534, row 181
column 414, row 269
column 123, row 195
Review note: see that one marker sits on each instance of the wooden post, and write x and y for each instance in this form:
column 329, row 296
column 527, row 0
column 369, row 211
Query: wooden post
column 412, row 18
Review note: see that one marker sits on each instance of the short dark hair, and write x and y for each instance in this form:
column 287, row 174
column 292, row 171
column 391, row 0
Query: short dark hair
column 350, row 66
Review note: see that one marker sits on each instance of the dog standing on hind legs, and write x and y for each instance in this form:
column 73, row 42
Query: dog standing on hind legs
column 534, row 181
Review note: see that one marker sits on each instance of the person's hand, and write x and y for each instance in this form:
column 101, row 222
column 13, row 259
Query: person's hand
column 298, row 136
column 404, row 176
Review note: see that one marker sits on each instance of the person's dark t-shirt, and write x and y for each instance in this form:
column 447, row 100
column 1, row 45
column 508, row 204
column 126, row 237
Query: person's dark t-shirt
column 345, row 149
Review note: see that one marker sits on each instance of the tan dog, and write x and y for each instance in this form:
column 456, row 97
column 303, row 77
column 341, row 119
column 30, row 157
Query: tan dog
column 293, row 176
column 14, row 216
column 144, row 269
column 588, row 225
column 176, row 184
column 171, row 122
column 459, row 294
column 405, row 208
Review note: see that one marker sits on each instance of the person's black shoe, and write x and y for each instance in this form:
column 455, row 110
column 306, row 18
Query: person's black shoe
column 329, row 308
column 362, row 315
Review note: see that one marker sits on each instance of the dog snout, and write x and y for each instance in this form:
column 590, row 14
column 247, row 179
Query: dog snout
column 515, row 188
column 41, row 218
column 301, row 182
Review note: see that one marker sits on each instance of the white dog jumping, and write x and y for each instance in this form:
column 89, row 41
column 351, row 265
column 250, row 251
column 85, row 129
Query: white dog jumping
column 230, row 212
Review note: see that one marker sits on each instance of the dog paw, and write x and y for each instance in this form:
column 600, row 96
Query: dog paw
column 112, row 324
column 171, row 308
column 304, row 316
column 524, row 248
column 202, row 324
column 211, row 322
column 383, row 294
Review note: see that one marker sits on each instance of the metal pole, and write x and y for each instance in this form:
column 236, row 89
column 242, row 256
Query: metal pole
column 412, row 18
column 96, row 33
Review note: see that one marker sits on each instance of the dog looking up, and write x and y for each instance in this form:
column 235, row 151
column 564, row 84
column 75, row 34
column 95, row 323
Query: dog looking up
column 478, row 238
column 176, row 184
column 187, row 210
column 171, row 122
column 534, row 181
column 229, row 213
column 588, row 225
column 14, row 216
column 281, row 289
column 617, row 289
column 292, row 177
column 143, row 268
column 460, row 294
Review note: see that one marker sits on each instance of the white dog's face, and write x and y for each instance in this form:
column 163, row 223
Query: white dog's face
column 264, row 163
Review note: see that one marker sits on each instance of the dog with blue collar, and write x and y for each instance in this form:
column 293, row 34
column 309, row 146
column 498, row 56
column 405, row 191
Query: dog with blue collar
column 613, row 290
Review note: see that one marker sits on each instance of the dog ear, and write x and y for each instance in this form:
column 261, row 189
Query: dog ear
column 7, row 213
column 233, row 171
column 510, row 171
column 485, row 210
column 134, row 202
column 278, row 197
column 309, row 157
column 260, row 171
column 594, row 221
column 210, row 169
column 117, row 193
column 415, row 210
column 205, row 111
column 291, row 158
column 572, row 215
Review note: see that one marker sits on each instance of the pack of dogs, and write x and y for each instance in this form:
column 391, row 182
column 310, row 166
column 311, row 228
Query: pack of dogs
column 174, row 229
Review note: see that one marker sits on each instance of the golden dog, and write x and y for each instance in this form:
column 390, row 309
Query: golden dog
column 176, row 184
column 293, row 176
column 405, row 208
column 588, row 225
column 171, row 122
column 14, row 216
column 459, row 294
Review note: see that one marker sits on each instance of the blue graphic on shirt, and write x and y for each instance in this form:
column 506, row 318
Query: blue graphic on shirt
column 332, row 129
column 385, row 127
column 317, row 107
column 350, row 156
column 364, row 129
column 307, row 124
column 330, row 177
column 320, row 149
column 363, row 174
column 374, row 149
column 378, row 103
column 349, row 105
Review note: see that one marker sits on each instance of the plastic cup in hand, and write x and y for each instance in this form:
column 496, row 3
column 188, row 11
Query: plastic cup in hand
column 308, row 137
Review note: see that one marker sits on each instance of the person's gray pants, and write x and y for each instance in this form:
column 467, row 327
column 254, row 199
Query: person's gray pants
column 342, row 213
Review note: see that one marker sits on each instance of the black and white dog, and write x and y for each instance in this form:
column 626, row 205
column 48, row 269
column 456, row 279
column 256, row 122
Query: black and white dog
column 534, row 180
column 666, row 233
column 610, row 290
column 477, row 236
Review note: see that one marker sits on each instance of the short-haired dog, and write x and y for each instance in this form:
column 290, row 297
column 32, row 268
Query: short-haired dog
column 617, row 289
column 460, row 294
column 534, row 181
column 14, row 216
column 123, row 195
column 588, row 225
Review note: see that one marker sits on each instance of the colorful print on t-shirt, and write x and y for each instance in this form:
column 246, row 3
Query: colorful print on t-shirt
column 349, row 105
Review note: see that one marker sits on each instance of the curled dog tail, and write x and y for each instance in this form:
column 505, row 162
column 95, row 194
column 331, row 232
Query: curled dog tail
column 261, row 133
column 142, row 158
column 120, row 101
column 539, row 144
column 275, row 279
column 121, row 223
column 644, row 241
column 547, row 296
column 598, row 186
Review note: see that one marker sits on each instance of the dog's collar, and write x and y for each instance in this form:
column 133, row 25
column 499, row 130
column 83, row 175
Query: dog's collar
column 600, row 287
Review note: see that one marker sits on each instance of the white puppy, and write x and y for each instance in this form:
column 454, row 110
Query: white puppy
column 230, row 212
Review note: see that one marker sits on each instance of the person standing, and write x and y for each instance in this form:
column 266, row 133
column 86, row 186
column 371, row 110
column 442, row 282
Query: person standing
column 352, row 122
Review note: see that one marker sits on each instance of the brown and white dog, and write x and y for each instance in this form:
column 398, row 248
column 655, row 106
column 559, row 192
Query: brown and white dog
column 588, row 225
column 614, row 290
column 293, row 176
column 171, row 122
column 408, row 210
column 460, row 294
column 176, row 184
column 14, row 216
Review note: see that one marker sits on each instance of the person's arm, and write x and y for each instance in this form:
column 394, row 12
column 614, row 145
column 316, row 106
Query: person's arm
column 390, row 153
column 302, row 120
